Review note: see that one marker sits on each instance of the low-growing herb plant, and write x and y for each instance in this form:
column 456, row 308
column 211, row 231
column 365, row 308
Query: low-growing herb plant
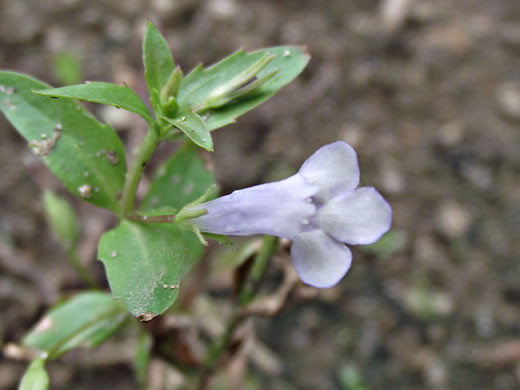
column 156, row 243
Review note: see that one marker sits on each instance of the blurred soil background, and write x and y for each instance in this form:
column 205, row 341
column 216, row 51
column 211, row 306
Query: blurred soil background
column 427, row 91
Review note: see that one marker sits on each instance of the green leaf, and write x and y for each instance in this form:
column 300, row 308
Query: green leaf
column 144, row 265
column 88, row 319
column 86, row 155
column 194, row 127
column 157, row 59
column 180, row 180
column 62, row 218
column 197, row 87
column 120, row 96
column 35, row 378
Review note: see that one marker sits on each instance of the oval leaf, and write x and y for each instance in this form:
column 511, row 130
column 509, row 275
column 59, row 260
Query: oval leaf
column 144, row 265
column 120, row 96
column 87, row 156
column 35, row 378
column 180, row 180
column 194, row 127
column 157, row 59
column 289, row 61
column 88, row 319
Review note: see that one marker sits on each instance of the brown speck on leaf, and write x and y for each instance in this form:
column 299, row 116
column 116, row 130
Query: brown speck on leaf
column 207, row 160
column 44, row 148
column 206, row 116
column 146, row 317
column 112, row 157
column 85, row 191
column 188, row 188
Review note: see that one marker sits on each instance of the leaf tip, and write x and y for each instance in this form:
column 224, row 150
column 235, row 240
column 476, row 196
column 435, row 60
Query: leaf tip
column 150, row 24
column 305, row 50
column 209, row 145
column 44, row 325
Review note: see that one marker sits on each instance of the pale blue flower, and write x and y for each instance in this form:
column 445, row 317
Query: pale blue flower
column 318, row 208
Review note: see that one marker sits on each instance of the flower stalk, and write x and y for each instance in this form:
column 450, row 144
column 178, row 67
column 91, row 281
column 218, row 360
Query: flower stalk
column 246, row 296
column 267, row 250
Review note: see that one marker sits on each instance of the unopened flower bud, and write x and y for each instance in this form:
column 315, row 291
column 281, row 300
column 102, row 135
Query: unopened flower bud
column 242, row 84
column 172, row 85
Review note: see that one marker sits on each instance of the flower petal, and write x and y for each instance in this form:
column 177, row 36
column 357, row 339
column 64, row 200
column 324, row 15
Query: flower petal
column 278, row 209
column 361, row 216
column 334, row 168
column 320, row 260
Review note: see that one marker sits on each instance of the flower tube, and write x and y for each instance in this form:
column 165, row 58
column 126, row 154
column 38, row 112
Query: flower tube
column 319, row 208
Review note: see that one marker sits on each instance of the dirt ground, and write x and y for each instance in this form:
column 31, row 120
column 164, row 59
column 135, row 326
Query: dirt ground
column 427, row 91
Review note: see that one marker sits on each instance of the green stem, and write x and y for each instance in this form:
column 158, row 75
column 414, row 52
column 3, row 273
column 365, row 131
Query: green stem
column 81, row 270
column 151, row 218
column 150, row 142
column 268, row 249
column 248, row 293
column 142, row 357
column 215, row 351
